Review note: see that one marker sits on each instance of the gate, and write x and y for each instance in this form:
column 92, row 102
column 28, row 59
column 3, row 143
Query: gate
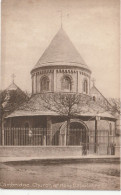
column 79, row 137
column 103, row 146
column 105, row 142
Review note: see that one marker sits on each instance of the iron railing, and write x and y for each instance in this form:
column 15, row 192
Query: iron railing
column 43, row 136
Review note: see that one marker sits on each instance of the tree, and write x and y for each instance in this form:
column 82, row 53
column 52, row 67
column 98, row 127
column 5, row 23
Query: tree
column 71, row 105
column 115, row 107
column 10, row 100
column 66, row 104
column 112, row 105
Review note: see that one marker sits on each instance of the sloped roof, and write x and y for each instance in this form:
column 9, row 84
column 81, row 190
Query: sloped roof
column 13, row 86
column 61, row 51
column 35, row 107
column 94, row 90
column 12, row 97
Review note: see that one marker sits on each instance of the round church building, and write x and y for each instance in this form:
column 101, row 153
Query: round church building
column 62, row 70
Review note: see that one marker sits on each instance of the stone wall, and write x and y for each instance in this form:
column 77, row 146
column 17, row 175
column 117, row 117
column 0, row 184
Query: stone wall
column 40, row 151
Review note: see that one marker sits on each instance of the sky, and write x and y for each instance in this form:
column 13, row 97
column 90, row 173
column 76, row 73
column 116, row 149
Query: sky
column 28, row 26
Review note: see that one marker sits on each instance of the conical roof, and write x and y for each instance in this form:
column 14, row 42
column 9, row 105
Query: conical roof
column 61, row 51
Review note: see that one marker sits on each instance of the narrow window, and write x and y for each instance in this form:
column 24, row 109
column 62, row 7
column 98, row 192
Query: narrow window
column 66, row 83
column 85, row 86
column 45, row 84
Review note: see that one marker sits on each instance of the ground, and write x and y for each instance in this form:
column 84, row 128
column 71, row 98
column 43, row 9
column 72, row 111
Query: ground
column 39, row 174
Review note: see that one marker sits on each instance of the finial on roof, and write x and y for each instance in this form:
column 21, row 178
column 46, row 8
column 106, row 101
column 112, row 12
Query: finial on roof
column 93, row 81
column 13, row 77
column 61, row 18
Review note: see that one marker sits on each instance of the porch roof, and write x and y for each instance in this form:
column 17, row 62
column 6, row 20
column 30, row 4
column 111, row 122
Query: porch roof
column 20, row 113
column 35, row 107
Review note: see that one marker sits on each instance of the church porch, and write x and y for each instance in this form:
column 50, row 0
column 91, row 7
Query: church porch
column 86, row 132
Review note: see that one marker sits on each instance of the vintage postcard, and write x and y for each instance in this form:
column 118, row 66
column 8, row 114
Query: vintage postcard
column 60, row 95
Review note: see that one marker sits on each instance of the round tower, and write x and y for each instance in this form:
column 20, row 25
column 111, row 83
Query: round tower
column 61, row 68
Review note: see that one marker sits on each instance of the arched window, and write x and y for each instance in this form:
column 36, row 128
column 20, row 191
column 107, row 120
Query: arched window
column 45, row 84
column 66, row 83
column 85, row 86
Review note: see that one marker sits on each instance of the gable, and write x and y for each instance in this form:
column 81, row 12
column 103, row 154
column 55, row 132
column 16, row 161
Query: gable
column 97, row 95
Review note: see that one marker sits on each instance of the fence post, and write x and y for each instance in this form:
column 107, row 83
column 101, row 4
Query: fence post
column 2, row 136
column 60, row 139
column 49, row 131
column 95, row 135
column 44, row 140
column 3, row 132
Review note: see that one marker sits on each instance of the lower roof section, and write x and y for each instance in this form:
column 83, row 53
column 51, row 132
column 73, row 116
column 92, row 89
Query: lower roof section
column 21, row 113
column 35, row 107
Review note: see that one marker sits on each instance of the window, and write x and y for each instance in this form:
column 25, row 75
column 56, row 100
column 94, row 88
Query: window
column 94, row 98
column 45, row 84
column 66, row 83
column 85, row 86
column 111, row 131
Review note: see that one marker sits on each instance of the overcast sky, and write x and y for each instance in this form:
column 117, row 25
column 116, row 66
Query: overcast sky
column 93, row 26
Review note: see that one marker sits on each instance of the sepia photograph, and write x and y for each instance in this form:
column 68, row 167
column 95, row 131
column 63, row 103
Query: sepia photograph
column 60, row 95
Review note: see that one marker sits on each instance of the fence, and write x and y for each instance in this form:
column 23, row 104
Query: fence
column 29, row 136
column 104, row 144
column 43, row 136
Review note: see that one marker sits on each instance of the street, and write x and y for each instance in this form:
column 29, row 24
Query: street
column 81, row 176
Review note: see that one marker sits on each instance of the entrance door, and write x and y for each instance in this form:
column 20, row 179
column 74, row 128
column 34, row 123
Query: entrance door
column 77, row 134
